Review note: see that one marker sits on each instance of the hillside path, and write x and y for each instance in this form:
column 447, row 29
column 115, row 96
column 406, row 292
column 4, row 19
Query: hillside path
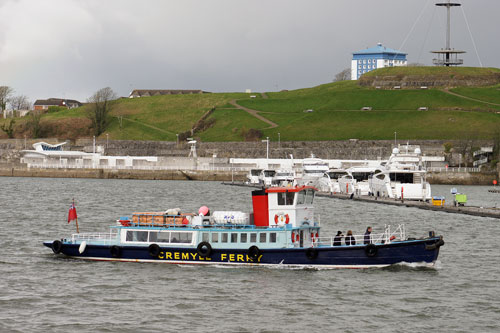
column 469, row 98
column 150, row 126
column 254, row 113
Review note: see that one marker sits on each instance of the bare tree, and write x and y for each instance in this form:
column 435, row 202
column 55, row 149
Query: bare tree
column 20, row 102
column 5, row 93
column 343, row 76
column 99, row 109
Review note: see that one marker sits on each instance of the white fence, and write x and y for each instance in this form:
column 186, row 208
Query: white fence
column 139, row 167
column 455, row 170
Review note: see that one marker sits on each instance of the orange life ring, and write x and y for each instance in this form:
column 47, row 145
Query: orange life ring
column 280, row 217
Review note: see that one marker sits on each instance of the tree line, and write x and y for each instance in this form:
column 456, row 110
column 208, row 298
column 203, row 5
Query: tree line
column 97, row 111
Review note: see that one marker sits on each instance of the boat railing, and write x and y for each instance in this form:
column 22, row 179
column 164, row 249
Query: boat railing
column 105, row 237
column 386, row 237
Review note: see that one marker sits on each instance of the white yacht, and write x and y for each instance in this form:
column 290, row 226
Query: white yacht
column 266, row 177
column 284, row 178
column 253, row 176
column 356, row 180
column 329, row 182
column 403, row 176
column 313, row 170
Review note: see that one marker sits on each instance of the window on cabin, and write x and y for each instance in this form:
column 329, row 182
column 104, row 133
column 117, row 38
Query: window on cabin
column 224, row 237
column 215, row 237
column 262, row 237
column 243, row 237
column 272, row 237
column 205, row 237
column 301, row 198
column 253, row 237
column 286, row 199
column 309, row 197
column 159, row 236
column 181, row 237
column 234, row 237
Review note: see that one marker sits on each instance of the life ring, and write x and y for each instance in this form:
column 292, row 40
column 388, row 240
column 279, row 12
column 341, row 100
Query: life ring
column 154, row 250
column 254, row 253
column 57, row 246
column 204, row 249
column 311, row 253
column 371, row 250
column 115, row 251
column 281, row 218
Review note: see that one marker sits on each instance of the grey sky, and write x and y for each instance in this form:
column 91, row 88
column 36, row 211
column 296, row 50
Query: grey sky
column 71, row 48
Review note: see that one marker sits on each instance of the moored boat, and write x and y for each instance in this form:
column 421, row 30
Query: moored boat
column 281, row 230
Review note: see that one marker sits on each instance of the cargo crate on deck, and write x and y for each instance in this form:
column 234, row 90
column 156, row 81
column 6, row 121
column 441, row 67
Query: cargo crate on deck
column 438, row 201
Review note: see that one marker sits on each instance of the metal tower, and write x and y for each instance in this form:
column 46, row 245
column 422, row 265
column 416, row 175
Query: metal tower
column 448, row 56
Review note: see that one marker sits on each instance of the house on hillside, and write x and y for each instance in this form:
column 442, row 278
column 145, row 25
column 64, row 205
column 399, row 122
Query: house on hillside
column 375, row 57
column 158, row 92
column 43, row 104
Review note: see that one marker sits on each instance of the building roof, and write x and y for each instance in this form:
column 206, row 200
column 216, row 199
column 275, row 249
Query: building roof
column 379, row 49
column 56, row 102
column 157, row 92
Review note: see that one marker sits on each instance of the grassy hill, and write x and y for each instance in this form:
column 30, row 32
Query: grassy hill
column 337, row 113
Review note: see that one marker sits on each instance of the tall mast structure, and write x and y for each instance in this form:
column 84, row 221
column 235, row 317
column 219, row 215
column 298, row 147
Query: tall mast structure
column 448, row 56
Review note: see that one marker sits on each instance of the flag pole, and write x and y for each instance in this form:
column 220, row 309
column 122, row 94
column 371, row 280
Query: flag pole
column 77, row 231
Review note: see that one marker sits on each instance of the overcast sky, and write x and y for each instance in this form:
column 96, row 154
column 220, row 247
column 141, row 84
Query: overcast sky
column 71, row 48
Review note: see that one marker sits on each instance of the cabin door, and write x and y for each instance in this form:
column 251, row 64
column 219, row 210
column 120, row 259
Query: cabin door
column 301, row 238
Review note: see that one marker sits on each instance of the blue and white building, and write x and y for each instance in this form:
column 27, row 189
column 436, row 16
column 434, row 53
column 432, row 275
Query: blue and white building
column 375, row 57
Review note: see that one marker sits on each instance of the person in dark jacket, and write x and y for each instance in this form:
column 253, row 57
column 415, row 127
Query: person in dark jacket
column 368, row 236
column 337, row 240
column 349, row 239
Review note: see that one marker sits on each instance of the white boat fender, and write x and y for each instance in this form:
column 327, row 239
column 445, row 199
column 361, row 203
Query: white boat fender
column 82, row 247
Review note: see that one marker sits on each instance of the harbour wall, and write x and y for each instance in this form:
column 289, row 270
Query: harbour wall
column 202, row 175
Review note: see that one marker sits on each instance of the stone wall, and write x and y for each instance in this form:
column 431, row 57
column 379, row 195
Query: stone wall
column 437, row 81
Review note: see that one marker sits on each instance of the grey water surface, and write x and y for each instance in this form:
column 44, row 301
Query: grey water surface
column 43, row 292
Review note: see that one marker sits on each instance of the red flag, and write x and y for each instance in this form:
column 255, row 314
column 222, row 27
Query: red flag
column 72, row 213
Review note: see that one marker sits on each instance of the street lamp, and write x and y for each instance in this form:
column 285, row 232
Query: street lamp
column 267, row 147
column 279, row 140
column 177, row 135
column 213, row 161
column 107, row 140
column 395, row 135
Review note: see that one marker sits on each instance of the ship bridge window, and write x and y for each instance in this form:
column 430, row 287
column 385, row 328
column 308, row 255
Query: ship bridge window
column 309, row 197
column 269, row 173
column 224, row 237
column 301, row 198
column 286, row 199
column 205, row 237
column 381, row 176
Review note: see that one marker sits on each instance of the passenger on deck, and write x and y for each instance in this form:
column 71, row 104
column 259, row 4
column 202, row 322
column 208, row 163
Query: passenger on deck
column 368, row 236
column 349, row 239
column 337, row 241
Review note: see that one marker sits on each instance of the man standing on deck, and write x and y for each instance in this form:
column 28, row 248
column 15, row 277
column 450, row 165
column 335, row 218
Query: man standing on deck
column 368, row 236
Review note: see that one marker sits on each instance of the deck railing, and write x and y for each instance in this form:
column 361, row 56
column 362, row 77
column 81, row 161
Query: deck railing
column 105, row 237
column 386, row 237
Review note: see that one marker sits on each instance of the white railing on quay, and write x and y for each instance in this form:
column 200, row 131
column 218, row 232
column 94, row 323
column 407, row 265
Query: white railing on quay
column 454, row 170
column 145, row 167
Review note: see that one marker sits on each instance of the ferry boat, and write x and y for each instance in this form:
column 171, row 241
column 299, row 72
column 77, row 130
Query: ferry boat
column 281, row 230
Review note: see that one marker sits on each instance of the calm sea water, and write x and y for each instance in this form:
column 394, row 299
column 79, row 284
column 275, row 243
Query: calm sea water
column 43, row 292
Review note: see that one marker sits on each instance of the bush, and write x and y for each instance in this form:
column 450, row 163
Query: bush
column 54, row 108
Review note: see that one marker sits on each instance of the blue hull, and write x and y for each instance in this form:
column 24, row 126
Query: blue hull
column 358, row 256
